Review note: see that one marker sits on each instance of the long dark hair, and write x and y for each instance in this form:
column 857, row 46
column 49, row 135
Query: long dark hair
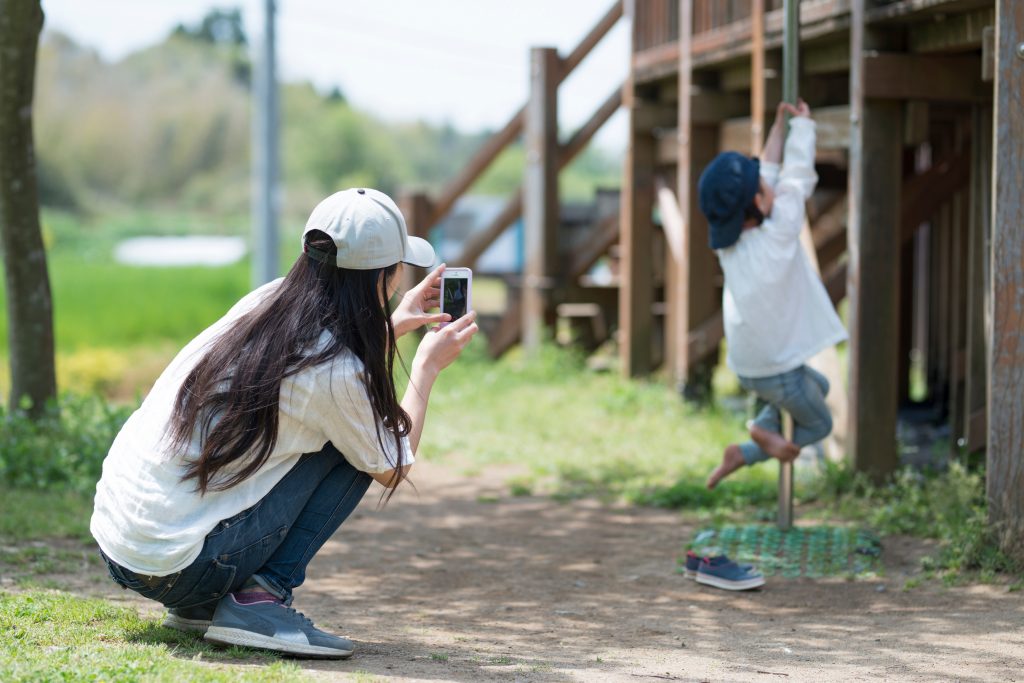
column 231, row 396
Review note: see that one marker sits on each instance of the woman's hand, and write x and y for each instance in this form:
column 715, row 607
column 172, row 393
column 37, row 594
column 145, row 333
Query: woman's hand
column 411, row 311
column 442, row 345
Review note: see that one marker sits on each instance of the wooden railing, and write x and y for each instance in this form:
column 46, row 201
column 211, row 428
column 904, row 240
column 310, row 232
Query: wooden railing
column 657, row 21
column 423, row 212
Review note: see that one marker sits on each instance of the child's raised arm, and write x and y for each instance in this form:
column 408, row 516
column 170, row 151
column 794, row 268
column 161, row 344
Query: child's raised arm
column 797, row 179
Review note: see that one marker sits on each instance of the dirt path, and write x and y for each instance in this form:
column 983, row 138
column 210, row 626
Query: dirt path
column 440, row 586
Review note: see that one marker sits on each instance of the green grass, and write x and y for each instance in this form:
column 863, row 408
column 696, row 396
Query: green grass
column 31, row 514
column 577, row 432
column 55, row 636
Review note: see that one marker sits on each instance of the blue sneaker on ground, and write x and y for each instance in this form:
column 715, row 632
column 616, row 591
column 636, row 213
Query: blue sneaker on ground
column 190, row 619
column 721, row 572
column 262, row 621
column 693, row 564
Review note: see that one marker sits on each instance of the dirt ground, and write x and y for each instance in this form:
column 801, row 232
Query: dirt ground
column 444, row 585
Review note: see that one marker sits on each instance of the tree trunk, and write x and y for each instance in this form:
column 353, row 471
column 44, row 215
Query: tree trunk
column 29, row 304
column 1005, row 470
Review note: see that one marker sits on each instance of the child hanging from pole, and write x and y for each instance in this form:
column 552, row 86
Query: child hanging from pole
column 776, row 310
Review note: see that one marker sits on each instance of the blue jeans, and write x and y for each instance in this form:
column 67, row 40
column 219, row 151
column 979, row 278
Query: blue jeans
column 271, row 542
column 801, row 393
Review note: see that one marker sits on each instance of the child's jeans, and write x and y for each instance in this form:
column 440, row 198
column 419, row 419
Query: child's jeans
column 271, row 542
column 801, row 393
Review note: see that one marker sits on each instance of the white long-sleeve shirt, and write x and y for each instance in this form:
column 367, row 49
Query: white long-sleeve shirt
column 148, row 520
column 776, row 311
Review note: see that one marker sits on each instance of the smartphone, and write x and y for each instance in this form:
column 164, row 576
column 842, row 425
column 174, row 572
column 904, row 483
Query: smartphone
column 456, row 292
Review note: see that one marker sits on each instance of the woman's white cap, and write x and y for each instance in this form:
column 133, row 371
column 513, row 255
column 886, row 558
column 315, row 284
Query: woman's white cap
column 368, row 230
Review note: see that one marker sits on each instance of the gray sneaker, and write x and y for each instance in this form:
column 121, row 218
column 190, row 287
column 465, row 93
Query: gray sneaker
column 190, row 619
column 272, row 625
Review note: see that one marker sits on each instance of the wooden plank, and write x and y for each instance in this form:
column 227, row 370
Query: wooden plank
column 975, row 377
column 606, row 234
column 483, row 158
column 829, row 58
column 582, row 137
column 593, row 37
column 478, row 243
column 677, row 315
column 1005, row 470
column 833, row 130
column 988, row 54
column 915, row 131
column 953, row 33
column 712, row 47
column 417, row 211
column 757, row 90
column 486, row 155
column 636, row 293
column 540, row 195
column 920, row 191
column 874, row 203
column 889, row 75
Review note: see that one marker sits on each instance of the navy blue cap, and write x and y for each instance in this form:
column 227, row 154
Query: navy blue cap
column 726, row 188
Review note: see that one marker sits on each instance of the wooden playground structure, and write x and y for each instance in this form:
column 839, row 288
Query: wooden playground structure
column 917, row 222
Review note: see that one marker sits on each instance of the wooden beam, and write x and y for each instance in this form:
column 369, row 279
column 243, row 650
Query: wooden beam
column 1005, row 470
column 951, row 32
column 593, row 37
column 896, row 76
column 833, row 130
column 710, row 107
column 677, row 314
column 975, row 371
column 581, row 138
column 417, row 211
column 636, row 291
column 605, row 235
column 827, row 58
column 757, row 76
column 540, row 195
column 874, row 239
column 924, row 192
column 486, row 155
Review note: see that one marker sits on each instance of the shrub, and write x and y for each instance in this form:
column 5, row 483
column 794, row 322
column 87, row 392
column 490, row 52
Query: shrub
column 64, row 449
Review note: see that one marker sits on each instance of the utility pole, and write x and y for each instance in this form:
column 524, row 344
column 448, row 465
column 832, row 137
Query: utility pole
column 265, row 155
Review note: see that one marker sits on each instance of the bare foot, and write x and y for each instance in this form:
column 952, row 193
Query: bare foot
column 774, row 444
column 732, row 460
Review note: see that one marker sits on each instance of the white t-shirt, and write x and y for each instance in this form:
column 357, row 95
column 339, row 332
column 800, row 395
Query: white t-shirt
column 148, row 520
column 776, row 311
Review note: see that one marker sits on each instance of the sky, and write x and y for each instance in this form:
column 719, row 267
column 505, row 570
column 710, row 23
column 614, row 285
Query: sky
column 463, row 62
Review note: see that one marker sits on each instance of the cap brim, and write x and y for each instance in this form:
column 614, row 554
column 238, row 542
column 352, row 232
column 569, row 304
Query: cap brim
column 418, row 252
column 725, row 233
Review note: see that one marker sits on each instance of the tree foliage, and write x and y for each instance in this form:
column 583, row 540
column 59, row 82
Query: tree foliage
column 168, row 127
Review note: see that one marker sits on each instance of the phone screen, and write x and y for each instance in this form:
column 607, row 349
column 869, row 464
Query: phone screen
column 456, row 290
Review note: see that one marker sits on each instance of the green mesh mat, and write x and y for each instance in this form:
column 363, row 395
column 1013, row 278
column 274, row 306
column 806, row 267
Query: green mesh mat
column 812, row 551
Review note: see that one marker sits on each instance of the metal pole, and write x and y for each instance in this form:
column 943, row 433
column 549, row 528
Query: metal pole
column 264, row 200
column 790, row 86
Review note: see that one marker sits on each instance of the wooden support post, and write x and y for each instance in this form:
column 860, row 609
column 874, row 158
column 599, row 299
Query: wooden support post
column 676, row 280
column 693, row 298
column 1005, row 471
column 757, row 90
column 873, row 275
column 417, row 211
column 636, row 289
column 540, row 195
column 975, row 372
